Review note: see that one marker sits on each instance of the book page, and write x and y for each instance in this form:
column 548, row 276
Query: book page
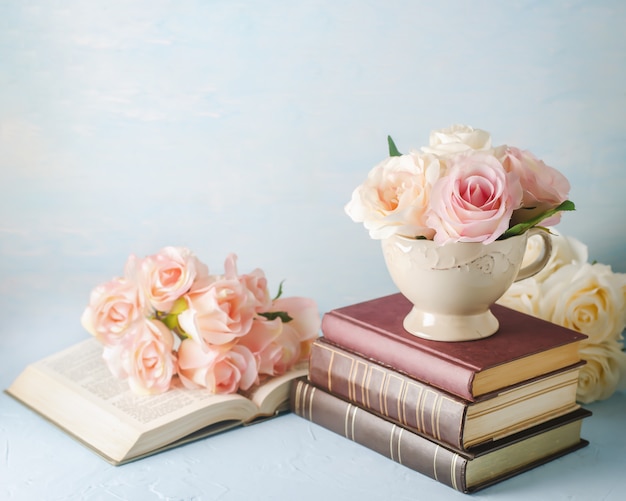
column 273, row 392
column 76, row 391
column 82, row 366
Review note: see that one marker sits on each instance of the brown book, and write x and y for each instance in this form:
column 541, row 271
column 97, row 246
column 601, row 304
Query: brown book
column 445, row 418
column 466, row 473
column 524, row 347
column 121, row 426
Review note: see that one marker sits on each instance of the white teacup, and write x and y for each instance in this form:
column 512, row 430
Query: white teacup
column 453, row 286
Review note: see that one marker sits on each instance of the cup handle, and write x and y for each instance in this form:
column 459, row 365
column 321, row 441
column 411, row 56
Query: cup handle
column 537, row 265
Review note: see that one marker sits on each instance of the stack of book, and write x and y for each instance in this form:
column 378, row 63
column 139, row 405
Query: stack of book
column 467, row 414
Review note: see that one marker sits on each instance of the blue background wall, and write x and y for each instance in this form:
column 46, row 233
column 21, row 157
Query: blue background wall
column 244, row 126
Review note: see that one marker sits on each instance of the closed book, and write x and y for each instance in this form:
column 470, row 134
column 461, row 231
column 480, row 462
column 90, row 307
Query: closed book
column 443, row 417
column 466, row 473
column 523, row 348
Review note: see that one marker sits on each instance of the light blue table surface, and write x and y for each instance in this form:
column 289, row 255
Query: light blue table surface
column 286, row 458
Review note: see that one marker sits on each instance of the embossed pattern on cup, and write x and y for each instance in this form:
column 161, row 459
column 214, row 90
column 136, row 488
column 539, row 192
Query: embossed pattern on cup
column 452, row 286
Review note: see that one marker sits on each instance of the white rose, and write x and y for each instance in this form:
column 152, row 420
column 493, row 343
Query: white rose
column 565, row 250
column 523, row 296
column 586, row 298
column 604, row 372
column 395, row 196
column 457, row 139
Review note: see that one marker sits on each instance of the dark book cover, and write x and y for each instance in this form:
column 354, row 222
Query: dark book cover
column 543, row 443
column 523, row 348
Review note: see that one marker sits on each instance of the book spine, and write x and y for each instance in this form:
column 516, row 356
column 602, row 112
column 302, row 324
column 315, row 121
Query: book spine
column 391, row 351
column 394, row 396
column 379, row 435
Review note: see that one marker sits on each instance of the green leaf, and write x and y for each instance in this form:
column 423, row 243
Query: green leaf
column 280, row 291
column 520, row 228
column 393, row 151
column 272, row 315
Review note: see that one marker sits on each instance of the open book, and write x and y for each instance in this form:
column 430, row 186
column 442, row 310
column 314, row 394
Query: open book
column 75, row 390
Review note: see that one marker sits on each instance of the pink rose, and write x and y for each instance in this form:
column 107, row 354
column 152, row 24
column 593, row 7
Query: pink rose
column 543, row 186
column 306, row 320
column 474, row 201
column 257, row 285
column 169, row 274
column 220, row 369
column 293, row 343
column 113, row 307
column 262, row 335
column 282, row 354
column 221, row 310
column 146, row 358
column 394, row 197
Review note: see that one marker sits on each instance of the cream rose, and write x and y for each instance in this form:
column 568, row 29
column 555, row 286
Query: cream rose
column 523, row 296
column 587, row 298
column 394, row 197
column 457, row 139
column 565, row 250
column 604, row 372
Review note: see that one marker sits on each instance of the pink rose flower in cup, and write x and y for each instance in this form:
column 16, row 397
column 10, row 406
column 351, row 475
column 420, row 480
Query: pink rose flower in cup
column 169, row 274
column 113, row 307
column 221, row 369
column 220, row 310
column 146, row 360
column 474, row 201
column 394, row 197
column 543, row 186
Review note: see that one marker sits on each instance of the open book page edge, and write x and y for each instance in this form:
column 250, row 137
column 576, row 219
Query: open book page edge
column 206, row 432
column 56, row 399
column 270, row 394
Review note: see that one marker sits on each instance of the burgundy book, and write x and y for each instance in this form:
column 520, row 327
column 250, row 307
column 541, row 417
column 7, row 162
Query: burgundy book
column 441, row 416
column 465, row 473
column 524, row 347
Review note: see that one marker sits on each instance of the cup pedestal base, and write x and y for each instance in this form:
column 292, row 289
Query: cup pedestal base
column 443, row 327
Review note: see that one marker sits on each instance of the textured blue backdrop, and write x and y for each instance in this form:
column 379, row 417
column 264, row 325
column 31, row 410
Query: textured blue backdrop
column 244, row 126
column 226, row 125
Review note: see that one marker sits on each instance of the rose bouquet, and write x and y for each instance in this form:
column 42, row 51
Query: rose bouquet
column 459, row 189
column 586, row 297
column 168, row 317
